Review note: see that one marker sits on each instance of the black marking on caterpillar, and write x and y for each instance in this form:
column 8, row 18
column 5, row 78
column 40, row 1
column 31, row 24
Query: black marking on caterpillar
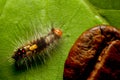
column 24, row 56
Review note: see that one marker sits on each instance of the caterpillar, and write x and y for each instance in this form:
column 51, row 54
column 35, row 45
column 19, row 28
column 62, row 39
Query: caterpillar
column 25, row 54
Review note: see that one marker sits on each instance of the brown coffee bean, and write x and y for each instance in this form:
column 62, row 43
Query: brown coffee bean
column 86, row 51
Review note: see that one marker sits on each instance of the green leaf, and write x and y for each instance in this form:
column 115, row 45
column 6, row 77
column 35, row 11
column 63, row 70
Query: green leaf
column 109, row 10
column 18, row 18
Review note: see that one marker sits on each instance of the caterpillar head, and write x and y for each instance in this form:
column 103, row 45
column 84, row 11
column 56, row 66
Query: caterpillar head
column 57, row 32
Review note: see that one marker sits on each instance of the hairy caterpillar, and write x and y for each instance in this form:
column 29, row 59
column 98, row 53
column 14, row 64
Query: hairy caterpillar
column 25, row 54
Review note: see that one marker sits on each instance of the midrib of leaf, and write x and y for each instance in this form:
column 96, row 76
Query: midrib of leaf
column 106, row 4
column 94, row 11
column 109, row 10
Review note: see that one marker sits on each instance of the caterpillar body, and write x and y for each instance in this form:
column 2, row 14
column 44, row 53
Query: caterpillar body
column 23, row 55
